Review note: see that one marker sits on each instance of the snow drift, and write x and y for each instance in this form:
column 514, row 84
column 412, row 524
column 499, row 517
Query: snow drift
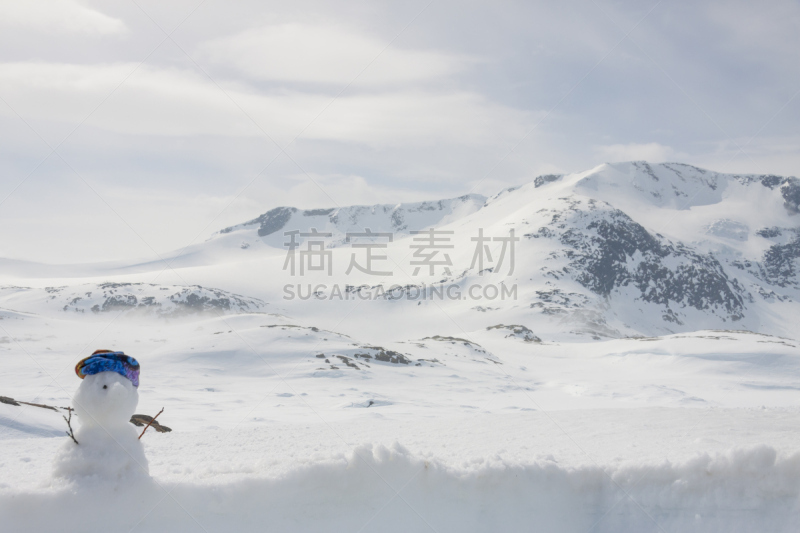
column 386, row 489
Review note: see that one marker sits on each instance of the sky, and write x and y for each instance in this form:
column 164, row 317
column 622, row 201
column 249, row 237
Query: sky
column 136, row 127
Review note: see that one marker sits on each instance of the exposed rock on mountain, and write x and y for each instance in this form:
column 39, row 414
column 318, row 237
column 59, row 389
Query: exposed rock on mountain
column 142, row 298
column 398, row 219
column 607, row 250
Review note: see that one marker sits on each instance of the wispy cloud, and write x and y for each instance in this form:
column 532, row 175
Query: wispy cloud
column 327, row 54
column 180, row 102
column 61, row 16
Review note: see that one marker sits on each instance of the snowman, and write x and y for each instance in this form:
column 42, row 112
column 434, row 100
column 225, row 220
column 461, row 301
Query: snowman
column 106, row 447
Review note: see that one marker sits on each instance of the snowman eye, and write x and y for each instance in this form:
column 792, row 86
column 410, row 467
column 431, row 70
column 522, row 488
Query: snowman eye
column 105, row 386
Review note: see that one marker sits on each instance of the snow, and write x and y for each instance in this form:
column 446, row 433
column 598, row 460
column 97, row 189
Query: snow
column 378, row 488
column 560, row 410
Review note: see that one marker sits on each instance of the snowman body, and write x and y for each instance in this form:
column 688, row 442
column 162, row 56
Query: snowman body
column 108, row 448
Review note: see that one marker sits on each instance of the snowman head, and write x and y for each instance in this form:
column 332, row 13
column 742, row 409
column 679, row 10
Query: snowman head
column 108, row 394
column 105, row 399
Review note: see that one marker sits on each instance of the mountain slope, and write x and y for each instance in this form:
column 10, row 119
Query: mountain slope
column 398, row 219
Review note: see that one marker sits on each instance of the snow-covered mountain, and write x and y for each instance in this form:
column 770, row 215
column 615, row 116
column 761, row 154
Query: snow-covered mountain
column 654, row 248
column 625, row 249
column 621, row 249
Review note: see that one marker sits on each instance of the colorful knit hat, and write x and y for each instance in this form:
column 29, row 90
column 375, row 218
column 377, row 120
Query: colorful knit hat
column 108, row 361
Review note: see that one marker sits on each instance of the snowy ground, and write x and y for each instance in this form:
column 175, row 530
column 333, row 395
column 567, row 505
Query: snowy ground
column 690, row 432
column 559, row 410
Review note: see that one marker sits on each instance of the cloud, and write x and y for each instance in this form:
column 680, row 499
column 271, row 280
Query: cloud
column 66, row 16
column 773, row 154
column 172, row 102
column 652, row 152
column 326, row 54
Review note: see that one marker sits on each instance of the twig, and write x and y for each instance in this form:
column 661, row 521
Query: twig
column 69, row 425
column 151, row 421
column 141, row 420
column 43, row 406
column 12, row 401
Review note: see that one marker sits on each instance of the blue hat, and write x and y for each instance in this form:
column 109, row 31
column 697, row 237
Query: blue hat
column 108, row 361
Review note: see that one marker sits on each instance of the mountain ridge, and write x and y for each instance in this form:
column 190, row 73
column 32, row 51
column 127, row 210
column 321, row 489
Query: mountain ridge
column 623, row 249
column 401, row 218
